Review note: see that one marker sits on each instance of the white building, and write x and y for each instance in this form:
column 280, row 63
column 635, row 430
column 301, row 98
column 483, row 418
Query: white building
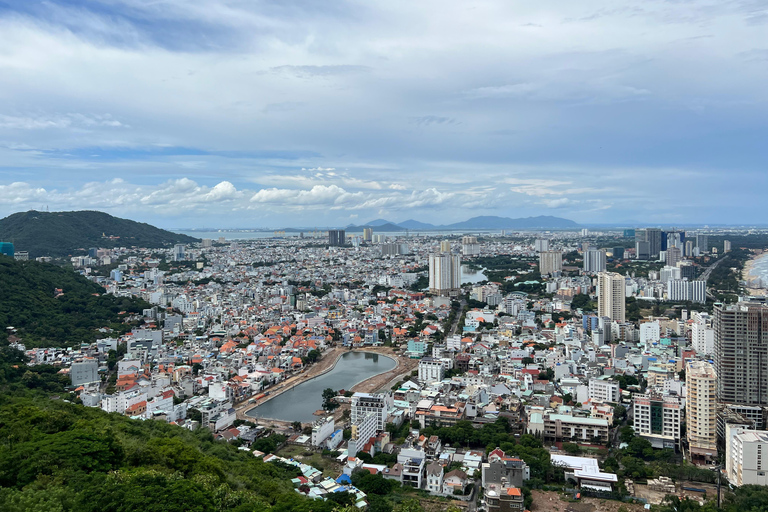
column 701, row 411
column 431, row 370
column 550, row 262
column 322, row 430
column 444, row 273
column 541, row 245
column 378, row 404
column 604, row 390
column 702, row 333
column 469, row 246
column 650, row 332
column 747, row 466
column 594, row 261
column 611, row 291
column 657, row 418
column 685, row 290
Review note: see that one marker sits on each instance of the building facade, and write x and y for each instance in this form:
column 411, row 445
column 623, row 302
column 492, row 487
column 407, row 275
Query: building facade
column 611, row 293
column 701, row 411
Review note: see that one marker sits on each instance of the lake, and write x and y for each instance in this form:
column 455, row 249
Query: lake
column 302, row 401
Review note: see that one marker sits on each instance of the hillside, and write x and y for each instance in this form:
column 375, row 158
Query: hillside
column 28, row 303
column 61, row 234
column 493, row 222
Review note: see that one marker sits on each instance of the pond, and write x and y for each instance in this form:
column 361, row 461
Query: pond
column 300, row 403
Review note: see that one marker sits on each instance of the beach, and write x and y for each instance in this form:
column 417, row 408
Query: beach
column 755, row 274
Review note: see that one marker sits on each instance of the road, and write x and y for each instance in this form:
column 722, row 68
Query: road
column 708, row 272
column 458, row 317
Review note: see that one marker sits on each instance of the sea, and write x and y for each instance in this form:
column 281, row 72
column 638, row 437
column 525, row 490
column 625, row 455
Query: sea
column 758, row 275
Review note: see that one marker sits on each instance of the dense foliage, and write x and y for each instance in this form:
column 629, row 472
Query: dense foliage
column 58, row 456
column 29, row 303
column 60, row 234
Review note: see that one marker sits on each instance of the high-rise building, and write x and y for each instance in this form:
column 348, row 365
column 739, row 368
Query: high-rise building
column 445, row 246
column 611, row 291
column 642, row 250
column 594, row 261
column 541, row 245
column 368, row 234
column 726, row 246
column 741, row 353
column 701, row 411
column 653, row 237
column 744, row 461
column 629, row 233
column 337, row 238
column 657, row 418
column 674, row 255
column 207, row 242
column 444, row 273
column 702, row 242
column 702, row 333
column 179, row 252
column 683, row 290
column 550, row 262
column 378, row 404
column 469, row 246
column 618, row 253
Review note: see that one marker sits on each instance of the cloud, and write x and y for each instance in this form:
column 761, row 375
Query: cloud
column 433, row 121
column 320, row 71
column 63, row 121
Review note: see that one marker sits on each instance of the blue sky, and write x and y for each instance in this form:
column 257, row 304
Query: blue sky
column 193, row 113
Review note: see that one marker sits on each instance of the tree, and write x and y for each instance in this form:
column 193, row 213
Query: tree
column 329, row 400
column 296, row 425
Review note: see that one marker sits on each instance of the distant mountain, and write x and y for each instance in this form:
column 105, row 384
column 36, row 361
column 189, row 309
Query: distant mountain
column 60, row 234
column 415, row 224
column 388, row 227
column 379, row 223
column 493, row 222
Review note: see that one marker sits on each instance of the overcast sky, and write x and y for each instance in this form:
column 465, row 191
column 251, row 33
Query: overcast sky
column 213, row 113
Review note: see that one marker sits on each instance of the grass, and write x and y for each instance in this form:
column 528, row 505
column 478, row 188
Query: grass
column 328, row 466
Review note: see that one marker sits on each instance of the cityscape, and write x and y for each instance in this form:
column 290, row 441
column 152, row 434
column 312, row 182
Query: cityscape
column 483, row 370
column 383, row 256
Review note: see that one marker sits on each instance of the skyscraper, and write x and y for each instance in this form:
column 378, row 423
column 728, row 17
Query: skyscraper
column 674, row 255
column 337, row 237
column 541, row 245
column 611, row 291
column 445, row 246
column 741, row 353
column 444, row 273
column 179, row 251
column 701, row 411
column 702, row 242
column 550, row 262
column 653, row 237
column 469, row 246
column 594, row 261
column 367, row 234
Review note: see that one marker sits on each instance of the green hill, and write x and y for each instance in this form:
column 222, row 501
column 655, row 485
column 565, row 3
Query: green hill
column 28, row 303
column 58, row 456
column 61, row 234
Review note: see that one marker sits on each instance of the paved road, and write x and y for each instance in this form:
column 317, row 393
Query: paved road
column 458, row 316
column 708, row 272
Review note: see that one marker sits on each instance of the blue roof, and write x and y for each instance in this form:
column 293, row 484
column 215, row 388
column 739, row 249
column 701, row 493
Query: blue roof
column 343, row 479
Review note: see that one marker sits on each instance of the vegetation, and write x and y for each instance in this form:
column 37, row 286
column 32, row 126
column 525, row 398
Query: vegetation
column 29, row 302
column 60, row 234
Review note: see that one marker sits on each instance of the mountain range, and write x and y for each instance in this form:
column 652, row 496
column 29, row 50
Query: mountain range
column 483, row 222
column 61, row 234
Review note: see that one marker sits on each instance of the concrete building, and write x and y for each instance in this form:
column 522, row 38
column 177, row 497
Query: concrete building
column 337, row 238
column 179, row 252
column 444, row 274
column 747, row 466
column 550, row 262
column 604, row 390
column 741, row 353
column 84, row 372
column 574, row 429
column 594, row 261
column 379, row 404
column 652, row 237
column 431, row 370
column 368, row 234
column 322, row 430
column 611, row 292
column 504, row 498
column 702, row 333
column 469, row 246
column 701, row 411
column 657, row 418
column 682, row 290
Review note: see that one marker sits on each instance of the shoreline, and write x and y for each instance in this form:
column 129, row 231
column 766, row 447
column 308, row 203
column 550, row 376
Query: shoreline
column 748, row 275
column 244, row 408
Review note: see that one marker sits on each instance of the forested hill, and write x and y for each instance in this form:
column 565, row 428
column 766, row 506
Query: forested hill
column 58, row 456
column 29, row 302
column 60, row 234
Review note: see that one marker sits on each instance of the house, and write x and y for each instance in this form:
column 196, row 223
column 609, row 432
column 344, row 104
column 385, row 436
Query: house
column 454, row 482
column 435, row 478
column 504, row 498
column 501, row 468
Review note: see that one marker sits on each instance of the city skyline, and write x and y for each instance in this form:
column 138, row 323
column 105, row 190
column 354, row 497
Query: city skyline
column 216, row 113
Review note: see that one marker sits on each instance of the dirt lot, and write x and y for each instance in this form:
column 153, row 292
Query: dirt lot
column 549, row 501
column 656, row 497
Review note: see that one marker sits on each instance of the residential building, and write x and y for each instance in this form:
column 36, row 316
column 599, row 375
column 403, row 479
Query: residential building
column 594, row 261
column 444, row 274
column 469, row 246
column 504, row 498
column 501, row 468
column 368, row 234
column 337, row 238
column 657, row 418
column 741, row 353
column 431, row 370
column 84, row 372
column 651, row 236
column 702, row 333
column 684, row 290
column 365, row 403
column 747, row 466
column 434, row 482
column 602, row 390
column 541, row 245
column 701, row 411
column 611, row 292
column 550, row 262
column 575, row 429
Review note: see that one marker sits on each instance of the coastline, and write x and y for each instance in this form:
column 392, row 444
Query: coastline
column 749, row 276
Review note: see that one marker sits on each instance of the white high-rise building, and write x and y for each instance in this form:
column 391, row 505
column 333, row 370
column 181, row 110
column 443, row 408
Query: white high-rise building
column 594, row 261
column 431, row 370
column 701, row 411
column 685, row 290
column 363, row 404
column 444, row 273
column 550, row 262
column 702, row 333
column 541, row 245
column 611, row 292
column 657, row 418
column 469, row 246
column 744, row 462
column 604, row 390
column 179, row 252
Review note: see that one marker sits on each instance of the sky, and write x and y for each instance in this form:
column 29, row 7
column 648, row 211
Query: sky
column 285, row 113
